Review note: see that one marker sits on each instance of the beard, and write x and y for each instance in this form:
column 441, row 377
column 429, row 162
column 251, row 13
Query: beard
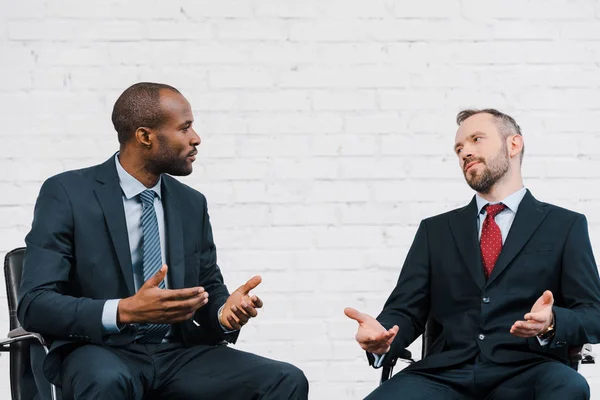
column 494, row 170
column 168, row 161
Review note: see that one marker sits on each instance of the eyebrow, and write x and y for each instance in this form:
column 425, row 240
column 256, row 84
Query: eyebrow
column 472, row 135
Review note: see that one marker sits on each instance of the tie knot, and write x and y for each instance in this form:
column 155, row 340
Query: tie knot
column 494, row 209
column 147, row 197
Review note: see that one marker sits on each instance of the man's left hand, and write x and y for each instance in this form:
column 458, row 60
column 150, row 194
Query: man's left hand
column 241, row 306
column 538, row 319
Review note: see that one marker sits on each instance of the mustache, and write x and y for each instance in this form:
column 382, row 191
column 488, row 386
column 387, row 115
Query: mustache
column 472, row 159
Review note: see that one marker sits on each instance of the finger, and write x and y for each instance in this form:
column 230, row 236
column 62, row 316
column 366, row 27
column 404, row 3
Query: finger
column 548, row 298
column 525, row 331
column 537, row 317
column 251, row 311
column 188, row 305
column 378, row 340
column 251, row 284
column 235, row 325
column 241, row 316
column 183, row 294
column 354, row 314
column 529, row 325
column 155, row 280
column 257, row 302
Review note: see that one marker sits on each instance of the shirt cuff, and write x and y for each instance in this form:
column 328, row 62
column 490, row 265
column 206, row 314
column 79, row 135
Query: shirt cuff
column 109, row 316
column 378, row 360
column 225, row 330
column 543, row 342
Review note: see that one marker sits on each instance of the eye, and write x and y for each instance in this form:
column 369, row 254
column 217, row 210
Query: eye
column 458, row 150
column 476, row 139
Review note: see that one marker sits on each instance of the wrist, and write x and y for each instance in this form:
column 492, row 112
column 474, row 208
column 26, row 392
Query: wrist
column 124, row 316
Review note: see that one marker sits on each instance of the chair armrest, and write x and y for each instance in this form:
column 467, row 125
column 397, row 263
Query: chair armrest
column 388, row 365
column 18, row 335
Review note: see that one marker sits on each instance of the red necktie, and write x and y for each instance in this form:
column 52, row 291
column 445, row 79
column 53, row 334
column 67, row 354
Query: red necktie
column 491, row 238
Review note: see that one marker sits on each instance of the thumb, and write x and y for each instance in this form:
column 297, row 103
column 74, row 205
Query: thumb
column 155, row 280
column 251, row 284
column 548, row 298
column 354, row 314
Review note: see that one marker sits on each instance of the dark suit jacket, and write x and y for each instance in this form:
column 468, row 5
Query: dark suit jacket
column 547, row 248
column 78, row 255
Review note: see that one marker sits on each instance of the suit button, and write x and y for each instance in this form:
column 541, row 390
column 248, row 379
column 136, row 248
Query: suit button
column 486, row 300
column 481, row 336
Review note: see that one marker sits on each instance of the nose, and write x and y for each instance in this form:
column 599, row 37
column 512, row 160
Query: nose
column 195, row 141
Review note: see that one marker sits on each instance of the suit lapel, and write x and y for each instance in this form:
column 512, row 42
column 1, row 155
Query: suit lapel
column 463, row 224
column 174, row 233
column 110, row 198
column 529, row 216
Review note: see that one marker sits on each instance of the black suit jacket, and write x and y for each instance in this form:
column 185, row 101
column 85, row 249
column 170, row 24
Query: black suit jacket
column 78, row 256
column 547, row 248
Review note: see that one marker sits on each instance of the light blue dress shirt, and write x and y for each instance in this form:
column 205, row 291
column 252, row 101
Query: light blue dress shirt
column 132, row 205
column 504, row 219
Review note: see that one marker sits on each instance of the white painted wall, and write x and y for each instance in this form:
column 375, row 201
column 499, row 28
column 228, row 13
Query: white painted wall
column 327, row 130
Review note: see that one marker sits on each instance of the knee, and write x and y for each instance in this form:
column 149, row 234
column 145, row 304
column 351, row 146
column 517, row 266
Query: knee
column 577, row 387
column 569, row 386
column 294, row 376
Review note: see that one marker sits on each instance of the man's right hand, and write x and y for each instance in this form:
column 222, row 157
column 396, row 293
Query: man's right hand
column 154, row 305
column 371, row 335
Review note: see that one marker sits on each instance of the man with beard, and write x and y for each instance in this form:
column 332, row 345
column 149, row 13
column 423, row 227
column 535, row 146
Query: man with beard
column 120, row 273
column 510, row 280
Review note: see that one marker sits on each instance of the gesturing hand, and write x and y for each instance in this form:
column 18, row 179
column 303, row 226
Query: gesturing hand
column 154, row 305
column 371, row 335
column 240, row 306
column 538, row 319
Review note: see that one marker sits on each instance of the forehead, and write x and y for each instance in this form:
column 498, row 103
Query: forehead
column 482, row 122
column 175, row 105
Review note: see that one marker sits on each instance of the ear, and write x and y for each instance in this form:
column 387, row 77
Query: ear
column 515, row 145
column 142, row 136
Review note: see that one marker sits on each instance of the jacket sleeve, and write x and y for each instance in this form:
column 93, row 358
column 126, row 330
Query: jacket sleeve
column 408, row 304
column 577, row 317
column 48, row 261
column 211, row 279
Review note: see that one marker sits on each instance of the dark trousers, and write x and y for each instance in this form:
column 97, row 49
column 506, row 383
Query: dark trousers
column 171, row 371
column 481, row 379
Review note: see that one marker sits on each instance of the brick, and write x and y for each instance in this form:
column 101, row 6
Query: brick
column 242, row 77
column 252, row 30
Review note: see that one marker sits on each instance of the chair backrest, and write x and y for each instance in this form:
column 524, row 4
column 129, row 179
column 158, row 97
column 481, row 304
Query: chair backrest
column 13, row 266
column 432, row 331
column 21, row 376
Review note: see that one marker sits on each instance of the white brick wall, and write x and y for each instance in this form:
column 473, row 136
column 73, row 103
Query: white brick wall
column 327, row 131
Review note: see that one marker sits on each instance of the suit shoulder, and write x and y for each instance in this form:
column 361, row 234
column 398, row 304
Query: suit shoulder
column 561, row 212
column 442, row 217
column 71, row 178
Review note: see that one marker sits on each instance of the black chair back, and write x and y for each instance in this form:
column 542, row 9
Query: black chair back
column 432, row 331
column 20, row 364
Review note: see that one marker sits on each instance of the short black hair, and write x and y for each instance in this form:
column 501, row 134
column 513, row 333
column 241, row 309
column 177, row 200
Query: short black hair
column 137, row 106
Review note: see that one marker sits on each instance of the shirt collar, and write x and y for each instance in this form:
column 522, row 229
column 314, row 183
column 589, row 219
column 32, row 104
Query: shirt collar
column 132, row 187
column 511, row 202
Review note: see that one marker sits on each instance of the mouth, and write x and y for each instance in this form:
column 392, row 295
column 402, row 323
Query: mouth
column 192, row 155
column 469, row 165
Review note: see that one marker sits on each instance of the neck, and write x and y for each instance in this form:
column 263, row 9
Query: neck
column 137, row 167
column 507, row 185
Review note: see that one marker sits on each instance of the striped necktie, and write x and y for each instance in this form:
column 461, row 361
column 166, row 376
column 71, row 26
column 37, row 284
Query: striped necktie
column 152, row 261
